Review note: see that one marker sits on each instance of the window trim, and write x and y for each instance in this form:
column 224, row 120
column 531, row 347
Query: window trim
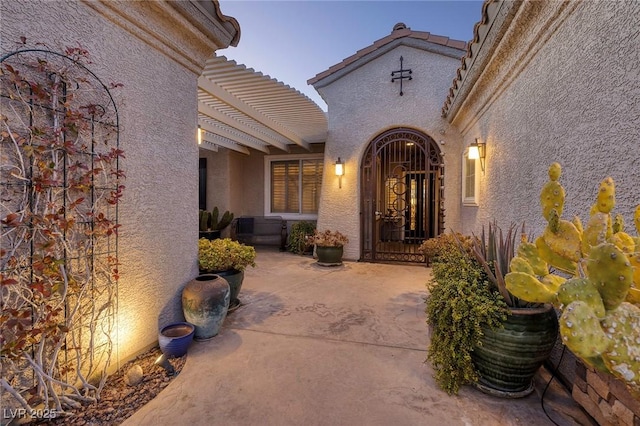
column 267, row 184
column 475, row 200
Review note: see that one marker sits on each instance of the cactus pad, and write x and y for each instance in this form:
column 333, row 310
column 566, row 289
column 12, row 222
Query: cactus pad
column 606, row 195
column 622, row 327
column 623, row 241
column 610, row 271
column 564, row 241
column 552, row 198
column 636, row 219
column 529, row 288
column 581, row 332
column 553, row 282
column 596, row 232
column 578, row 224
column 618, row 224
column 581, row 289
column 553, row 259
column 555, row 169
column 634, row 260
column 529, row 252
column 520, row 264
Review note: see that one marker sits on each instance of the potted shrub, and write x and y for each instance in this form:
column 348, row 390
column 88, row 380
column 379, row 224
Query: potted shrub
column 481, row 334
column 592, row 274
column 508, row 357
column 228, row 259
column 432, row 247
column 461, row 305
column 301, row 237
column 329, row 247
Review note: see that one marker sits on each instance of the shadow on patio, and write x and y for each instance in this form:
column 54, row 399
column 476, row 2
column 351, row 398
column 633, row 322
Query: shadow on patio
column 332, row 346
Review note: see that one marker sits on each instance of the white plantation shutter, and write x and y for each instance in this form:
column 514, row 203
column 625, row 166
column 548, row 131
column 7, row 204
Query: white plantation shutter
column 470, row 179
column 311, row 183
column 295, row 186
column 284, row 186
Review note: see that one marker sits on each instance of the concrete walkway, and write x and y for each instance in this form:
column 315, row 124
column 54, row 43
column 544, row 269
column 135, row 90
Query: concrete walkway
column 332, row 346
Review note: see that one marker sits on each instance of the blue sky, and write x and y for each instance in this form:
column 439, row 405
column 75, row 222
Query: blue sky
column 293, row 41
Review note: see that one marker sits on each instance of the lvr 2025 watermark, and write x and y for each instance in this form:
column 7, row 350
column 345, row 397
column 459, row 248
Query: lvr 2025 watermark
column 35, row 413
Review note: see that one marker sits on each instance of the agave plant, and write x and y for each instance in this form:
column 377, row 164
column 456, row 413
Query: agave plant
column 494, row 250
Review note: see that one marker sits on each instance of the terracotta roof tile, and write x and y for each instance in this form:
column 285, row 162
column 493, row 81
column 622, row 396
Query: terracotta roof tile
column 399, row 31
column 463, row 66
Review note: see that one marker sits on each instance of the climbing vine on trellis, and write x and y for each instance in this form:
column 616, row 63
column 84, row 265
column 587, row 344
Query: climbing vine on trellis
column 60, row 182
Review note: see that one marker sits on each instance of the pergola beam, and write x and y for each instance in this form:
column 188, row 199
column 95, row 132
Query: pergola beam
column 218, row 92
column 207, row 110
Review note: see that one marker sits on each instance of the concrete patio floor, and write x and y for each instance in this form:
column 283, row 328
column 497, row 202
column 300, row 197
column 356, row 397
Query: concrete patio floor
column 333, row 346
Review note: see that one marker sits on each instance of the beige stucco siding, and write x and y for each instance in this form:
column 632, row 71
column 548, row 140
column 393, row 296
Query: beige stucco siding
column 158, row 116
column 364, row 103
column 575, row 102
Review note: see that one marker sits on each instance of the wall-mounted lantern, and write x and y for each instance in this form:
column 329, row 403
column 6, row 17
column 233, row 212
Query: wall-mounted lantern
column 339, row 171
column 199, row 136
column 478, row 151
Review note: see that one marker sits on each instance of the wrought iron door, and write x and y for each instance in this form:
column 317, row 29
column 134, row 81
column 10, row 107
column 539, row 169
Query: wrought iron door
column 402, row 186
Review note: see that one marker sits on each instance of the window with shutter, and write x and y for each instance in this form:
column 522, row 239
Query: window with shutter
column 294, row 185
column 469, row 181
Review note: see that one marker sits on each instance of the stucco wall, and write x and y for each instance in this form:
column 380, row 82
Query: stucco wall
column 364, row 103
column 565, row 90
column 158, row 116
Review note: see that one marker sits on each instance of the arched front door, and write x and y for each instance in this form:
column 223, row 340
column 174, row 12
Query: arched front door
column 402, row 185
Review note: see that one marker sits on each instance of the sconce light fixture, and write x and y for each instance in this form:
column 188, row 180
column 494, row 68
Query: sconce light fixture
column 199, row 135
column 163, row 362
column 478, row 151
column 339, row 171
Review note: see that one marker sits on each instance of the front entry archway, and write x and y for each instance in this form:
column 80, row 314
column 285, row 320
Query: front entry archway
column 402, row 195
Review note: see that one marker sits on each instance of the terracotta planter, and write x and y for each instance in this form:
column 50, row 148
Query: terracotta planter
column 329, row 256
column 205, row 301
column 508, row 358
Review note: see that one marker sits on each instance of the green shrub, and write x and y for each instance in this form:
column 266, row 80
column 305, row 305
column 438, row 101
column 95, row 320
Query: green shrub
column 461, row 302
column 301, row 237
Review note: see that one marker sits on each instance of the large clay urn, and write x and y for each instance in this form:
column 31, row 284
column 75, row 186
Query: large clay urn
column 205, row 302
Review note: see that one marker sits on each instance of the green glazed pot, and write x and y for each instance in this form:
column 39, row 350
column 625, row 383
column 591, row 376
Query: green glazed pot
column 329, row 256
column 509, row 357
column 235, row 279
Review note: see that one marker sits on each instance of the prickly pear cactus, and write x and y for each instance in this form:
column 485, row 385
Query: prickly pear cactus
column 581, row 331
column 610, row 270
column 552, row 195
column 600, row 302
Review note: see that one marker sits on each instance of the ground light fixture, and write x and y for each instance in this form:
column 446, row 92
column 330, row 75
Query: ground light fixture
column 163, row 362
column 339, row 171
column 478, row 151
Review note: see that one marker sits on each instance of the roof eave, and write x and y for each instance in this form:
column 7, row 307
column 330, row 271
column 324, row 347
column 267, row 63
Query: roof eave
column 487, row 34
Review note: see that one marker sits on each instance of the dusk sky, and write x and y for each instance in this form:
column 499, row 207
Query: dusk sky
column 292, row 41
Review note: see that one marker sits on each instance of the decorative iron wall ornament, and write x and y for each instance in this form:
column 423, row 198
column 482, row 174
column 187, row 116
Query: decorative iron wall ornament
column 401, row 74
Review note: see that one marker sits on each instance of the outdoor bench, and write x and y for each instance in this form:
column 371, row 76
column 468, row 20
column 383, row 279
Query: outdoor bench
column 260, row 231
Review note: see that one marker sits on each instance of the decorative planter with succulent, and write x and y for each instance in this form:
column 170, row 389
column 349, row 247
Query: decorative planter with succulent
column 228, row 259
column 507, row 358
column 460, row 307
column 212, row 225
column 592, row 275
column 481, row 334
column 329, row 247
